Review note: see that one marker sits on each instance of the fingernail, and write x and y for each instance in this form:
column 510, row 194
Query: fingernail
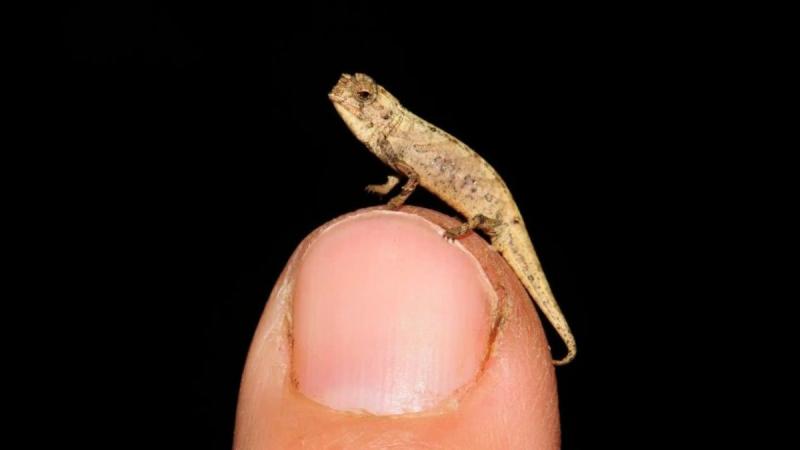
column 388, row 317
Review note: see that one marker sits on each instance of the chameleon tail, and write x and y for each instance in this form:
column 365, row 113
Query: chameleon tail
column 527, row 267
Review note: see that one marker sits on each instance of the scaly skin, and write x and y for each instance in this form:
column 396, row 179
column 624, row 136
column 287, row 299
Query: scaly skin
column 455, row 173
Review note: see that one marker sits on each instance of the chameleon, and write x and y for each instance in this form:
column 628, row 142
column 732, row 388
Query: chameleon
column 448, row 168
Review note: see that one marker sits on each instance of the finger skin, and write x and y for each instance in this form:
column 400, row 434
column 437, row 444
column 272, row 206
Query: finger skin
column 512, row 403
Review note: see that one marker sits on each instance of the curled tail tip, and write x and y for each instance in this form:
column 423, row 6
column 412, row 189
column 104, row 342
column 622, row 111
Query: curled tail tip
column 567, row 359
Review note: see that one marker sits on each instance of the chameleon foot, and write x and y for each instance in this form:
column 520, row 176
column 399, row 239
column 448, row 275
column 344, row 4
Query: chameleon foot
column 385, row 188
column 480, row 221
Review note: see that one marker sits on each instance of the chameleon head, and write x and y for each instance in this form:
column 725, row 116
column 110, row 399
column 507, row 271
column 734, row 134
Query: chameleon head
column 367, row 108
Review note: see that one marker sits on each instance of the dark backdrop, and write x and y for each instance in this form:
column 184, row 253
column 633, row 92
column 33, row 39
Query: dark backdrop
column 202, row 149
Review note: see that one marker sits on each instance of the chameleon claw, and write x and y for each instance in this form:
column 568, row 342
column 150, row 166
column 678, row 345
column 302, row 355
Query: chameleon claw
column 451, row 234
column 371, row 189
column 383, row 189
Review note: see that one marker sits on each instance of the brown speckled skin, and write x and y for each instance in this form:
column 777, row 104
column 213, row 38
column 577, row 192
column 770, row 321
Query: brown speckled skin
column 455, row 173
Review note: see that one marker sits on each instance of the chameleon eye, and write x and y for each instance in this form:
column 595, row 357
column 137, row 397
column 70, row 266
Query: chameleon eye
column 363, row 95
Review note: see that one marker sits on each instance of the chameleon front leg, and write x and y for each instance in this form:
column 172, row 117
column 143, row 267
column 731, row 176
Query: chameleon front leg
column 411, row 183
column 385, row 188
column 487, row 224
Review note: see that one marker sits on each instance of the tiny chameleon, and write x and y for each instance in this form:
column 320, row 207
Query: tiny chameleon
column 429, row 156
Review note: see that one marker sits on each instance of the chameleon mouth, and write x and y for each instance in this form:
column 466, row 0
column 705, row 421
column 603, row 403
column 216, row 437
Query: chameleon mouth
column 339, row 91
column 349, row 117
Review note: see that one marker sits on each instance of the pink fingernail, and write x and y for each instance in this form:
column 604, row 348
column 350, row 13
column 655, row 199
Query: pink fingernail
column 388, row 316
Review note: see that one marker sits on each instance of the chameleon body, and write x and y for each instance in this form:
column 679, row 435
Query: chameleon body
column 448, row 168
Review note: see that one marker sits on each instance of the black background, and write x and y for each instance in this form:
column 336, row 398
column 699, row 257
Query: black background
column 203, row 149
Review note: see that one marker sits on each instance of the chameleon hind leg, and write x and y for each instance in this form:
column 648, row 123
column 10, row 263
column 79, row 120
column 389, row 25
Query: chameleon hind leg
column 487, row 224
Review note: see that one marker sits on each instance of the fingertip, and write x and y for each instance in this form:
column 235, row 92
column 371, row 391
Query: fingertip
column 505, row 398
